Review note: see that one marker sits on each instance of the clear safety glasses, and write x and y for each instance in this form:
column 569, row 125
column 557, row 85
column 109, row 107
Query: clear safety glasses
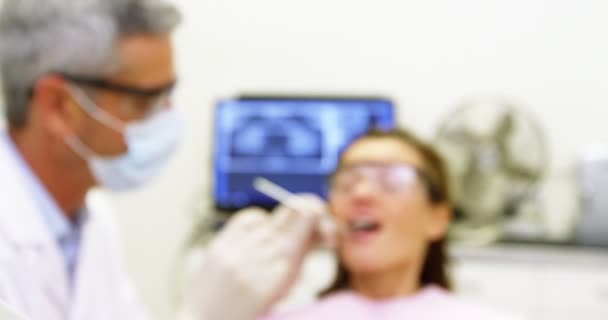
column 387, row 178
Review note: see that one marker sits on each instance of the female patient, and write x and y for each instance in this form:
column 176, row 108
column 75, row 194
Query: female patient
column 391, row 191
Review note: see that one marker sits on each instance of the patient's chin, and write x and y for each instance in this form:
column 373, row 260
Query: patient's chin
column 357, row 261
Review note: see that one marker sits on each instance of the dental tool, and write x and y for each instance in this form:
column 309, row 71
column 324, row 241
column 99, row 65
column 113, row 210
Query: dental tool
column 281, row 195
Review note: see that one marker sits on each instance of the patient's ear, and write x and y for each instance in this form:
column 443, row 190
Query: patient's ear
column 439, row 222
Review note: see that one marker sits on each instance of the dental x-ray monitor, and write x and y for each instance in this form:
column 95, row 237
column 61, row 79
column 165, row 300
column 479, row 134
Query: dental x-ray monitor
column 291, row 141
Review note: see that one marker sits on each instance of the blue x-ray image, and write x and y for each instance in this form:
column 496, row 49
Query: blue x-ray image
column 292, row 142
column 295, row 137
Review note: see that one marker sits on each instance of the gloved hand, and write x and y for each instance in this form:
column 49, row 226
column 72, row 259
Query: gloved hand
column 256, row 259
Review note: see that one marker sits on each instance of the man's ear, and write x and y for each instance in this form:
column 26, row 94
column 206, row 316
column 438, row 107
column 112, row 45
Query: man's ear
column 52, row 104
column 439, row 221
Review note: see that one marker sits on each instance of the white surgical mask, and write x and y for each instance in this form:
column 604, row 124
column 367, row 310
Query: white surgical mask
column 150, row 143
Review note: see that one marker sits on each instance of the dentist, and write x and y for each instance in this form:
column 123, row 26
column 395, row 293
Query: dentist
column 87, row 87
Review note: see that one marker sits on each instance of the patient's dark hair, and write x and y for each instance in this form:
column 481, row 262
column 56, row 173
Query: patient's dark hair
column 437, row 181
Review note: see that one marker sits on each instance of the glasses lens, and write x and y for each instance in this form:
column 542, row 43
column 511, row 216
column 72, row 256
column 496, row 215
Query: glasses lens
column 142, row 108
column 341, row 181
column 398, row 178
column 385, row 178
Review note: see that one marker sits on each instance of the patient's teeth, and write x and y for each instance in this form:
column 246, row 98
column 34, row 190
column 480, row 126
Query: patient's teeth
column 362, row 224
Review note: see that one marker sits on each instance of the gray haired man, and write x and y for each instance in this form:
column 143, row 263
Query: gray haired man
column 87, row 88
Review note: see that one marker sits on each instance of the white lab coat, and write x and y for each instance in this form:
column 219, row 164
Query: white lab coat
column 8, row 313
column 32, row 272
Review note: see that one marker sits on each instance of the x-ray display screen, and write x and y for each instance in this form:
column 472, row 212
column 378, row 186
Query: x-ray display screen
column 292, row 142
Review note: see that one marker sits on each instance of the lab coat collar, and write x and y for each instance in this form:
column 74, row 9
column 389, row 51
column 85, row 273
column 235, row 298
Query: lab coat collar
column 22, row 225
column 19, row 215
column 55, row 220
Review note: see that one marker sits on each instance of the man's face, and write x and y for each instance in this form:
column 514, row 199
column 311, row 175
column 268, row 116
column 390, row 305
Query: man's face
column 146, row 63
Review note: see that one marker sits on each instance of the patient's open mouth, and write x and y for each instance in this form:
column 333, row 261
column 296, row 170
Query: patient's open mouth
column 363, row 226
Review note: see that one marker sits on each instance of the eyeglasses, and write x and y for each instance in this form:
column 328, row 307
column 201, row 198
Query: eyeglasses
column 149, row 93
column 145, row 101
column 389, row 178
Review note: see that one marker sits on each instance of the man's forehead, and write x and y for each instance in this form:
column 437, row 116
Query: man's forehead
column 145, row 60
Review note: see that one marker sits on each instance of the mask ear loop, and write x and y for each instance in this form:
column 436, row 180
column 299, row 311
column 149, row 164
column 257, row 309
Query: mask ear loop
column 80, row 148
column 93, row 110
